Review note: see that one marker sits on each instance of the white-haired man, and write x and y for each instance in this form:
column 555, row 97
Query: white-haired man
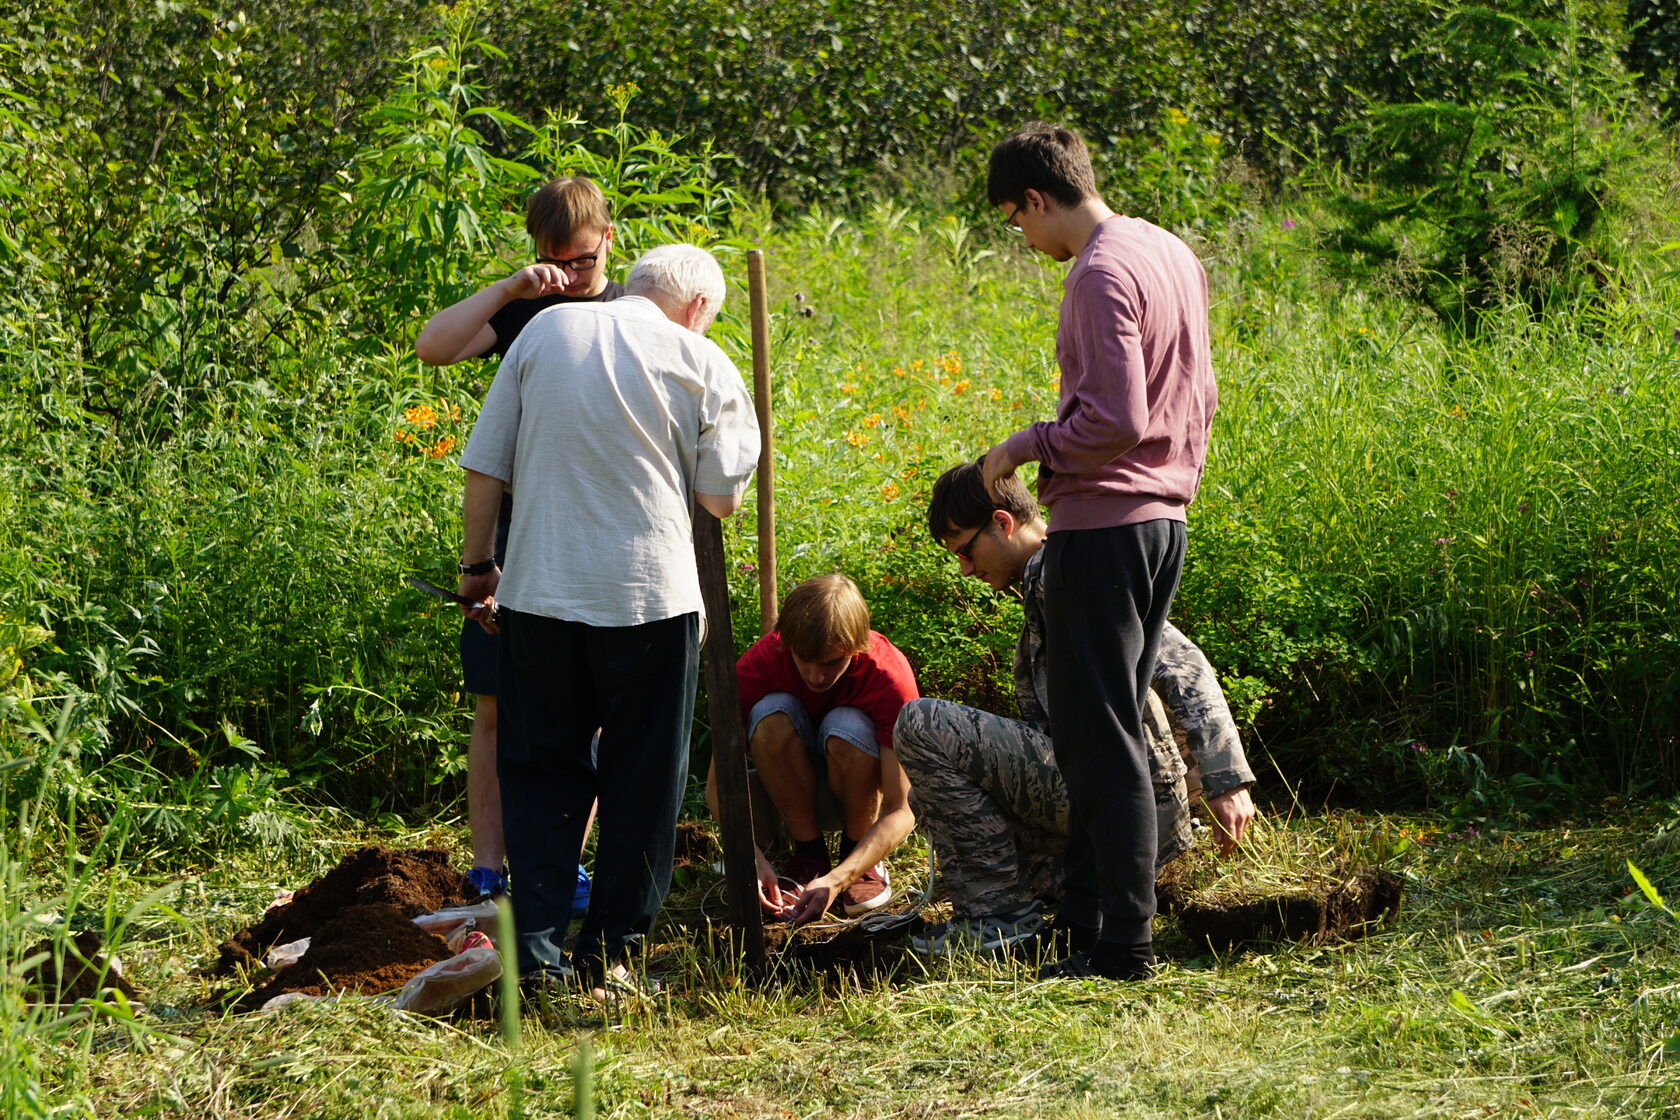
column 607, row 420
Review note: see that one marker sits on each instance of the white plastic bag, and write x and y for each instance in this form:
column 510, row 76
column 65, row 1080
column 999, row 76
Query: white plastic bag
column 282, row 955
column 455, row 923
column 448, row 984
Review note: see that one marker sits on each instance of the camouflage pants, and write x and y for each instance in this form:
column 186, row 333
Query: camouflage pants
column 986, row 790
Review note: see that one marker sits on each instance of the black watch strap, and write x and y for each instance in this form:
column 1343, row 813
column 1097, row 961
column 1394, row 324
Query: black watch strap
column 482, row 568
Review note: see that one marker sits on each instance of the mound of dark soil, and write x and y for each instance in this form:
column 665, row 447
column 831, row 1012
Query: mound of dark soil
column 366, row 949
column 1340, row 912
column 414, row 882
column 86, row 973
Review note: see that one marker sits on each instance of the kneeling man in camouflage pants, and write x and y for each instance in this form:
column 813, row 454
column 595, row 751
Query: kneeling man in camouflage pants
column 987, row 789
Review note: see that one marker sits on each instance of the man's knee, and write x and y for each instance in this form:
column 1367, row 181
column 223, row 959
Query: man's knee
column 774, row 738
column 923, row 737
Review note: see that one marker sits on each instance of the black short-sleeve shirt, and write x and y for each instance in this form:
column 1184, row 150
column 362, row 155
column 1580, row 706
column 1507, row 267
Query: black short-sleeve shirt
column 511, row 319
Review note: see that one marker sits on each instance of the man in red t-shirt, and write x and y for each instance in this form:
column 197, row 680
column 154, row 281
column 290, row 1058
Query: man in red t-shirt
column 819, row 695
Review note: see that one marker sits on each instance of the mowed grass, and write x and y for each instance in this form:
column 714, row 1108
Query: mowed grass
column 1518, row 979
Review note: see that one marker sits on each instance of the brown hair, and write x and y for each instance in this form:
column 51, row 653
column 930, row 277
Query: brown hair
column 564, row 208
column 1043, row 158
column 821, row 613
column 960, row 500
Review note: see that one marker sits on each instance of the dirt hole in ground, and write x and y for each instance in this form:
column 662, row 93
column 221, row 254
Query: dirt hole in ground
column 413, row 882
column 86, row 972
column 1337, row 909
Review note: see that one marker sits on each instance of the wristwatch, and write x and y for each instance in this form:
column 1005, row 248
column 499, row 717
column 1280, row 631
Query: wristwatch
column 482, row 568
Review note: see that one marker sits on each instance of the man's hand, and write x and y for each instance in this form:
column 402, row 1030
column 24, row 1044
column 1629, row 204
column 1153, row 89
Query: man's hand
column 535, row 281
column 814, row 901
column 1232, row 810
column 481, row 590
column 997, row 465
column 770, row 894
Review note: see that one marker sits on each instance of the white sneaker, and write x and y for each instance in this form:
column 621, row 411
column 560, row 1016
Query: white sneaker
column 989, row 933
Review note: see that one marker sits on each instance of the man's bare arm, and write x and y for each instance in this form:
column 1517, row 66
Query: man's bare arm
column 888, row 832
column 482, row 501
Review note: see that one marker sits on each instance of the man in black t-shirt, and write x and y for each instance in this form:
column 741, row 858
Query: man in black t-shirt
column 569, row 224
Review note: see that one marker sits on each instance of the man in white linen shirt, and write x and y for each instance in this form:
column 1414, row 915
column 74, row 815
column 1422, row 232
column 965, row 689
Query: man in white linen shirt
column 607, row 420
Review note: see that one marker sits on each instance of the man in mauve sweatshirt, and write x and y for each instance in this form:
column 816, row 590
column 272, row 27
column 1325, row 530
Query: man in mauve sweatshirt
column 1117, row 468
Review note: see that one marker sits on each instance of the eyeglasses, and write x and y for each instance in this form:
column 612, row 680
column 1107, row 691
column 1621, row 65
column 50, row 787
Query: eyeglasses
column 578, row 264
column 1014, row 219
column 965, row 550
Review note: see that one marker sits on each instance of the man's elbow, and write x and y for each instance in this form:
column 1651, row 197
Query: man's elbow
column 718, row 505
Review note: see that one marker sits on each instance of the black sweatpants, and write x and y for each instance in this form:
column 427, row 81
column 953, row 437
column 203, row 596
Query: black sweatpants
column 559, row 682
column 1106, row 597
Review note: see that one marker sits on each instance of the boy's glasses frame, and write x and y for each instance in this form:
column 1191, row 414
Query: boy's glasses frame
column 584, row 263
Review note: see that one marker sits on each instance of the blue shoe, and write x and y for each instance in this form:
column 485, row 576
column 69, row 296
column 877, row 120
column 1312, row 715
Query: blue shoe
column 487, row 882
column 580, row 900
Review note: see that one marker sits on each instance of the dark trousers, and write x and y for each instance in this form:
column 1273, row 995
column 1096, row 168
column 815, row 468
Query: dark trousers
column 559, row 682
column 1106, row 597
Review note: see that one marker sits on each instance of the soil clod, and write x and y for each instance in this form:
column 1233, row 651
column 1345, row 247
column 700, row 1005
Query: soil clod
column 86, row 973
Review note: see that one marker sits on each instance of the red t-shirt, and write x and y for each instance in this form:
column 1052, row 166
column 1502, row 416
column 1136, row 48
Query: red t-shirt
column 878, row 682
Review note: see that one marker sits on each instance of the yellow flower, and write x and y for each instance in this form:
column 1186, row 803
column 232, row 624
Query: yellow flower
column 873, row 419
column 907, row 473
column 994, row 394
column 441, row 448
column 961, row 386
column 898, row 371
column 848, row 387
column 1177, row 117
column 857, row 439
column 421, row 415
column 889, row 492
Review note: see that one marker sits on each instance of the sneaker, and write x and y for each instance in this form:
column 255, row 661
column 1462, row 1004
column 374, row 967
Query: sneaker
column 488, row 882
column 802, row 868
column 580, row 900
column 870, row 892
column 1105, row 962
column 989, row 933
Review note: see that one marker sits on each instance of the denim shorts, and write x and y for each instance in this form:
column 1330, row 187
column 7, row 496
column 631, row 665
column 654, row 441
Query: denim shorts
column 850, row 724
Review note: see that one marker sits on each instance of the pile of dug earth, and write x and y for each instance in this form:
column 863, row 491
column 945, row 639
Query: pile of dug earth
column 354, row 930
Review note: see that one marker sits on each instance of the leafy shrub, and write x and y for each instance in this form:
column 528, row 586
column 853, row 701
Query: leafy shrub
column 1512, row 182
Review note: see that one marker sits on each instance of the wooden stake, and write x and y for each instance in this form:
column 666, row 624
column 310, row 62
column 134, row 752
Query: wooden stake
column 729, row 742
column 767, row 603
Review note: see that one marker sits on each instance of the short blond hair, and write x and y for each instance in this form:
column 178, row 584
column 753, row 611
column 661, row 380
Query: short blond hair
column 822, row 613
column 563, row 209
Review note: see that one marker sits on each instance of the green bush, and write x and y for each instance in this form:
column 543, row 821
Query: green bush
column 1521, row 180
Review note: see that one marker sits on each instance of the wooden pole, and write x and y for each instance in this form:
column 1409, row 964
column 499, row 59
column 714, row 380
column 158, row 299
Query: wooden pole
column 767, row 604
column 729, row 742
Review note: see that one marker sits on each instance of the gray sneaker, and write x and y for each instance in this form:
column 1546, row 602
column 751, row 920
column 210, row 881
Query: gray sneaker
column 990, row 933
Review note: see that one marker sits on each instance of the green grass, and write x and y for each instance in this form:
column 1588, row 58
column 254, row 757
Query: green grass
column 1517, row 980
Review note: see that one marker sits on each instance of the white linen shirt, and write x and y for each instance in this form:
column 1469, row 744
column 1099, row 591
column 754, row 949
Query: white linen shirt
column 605, row 419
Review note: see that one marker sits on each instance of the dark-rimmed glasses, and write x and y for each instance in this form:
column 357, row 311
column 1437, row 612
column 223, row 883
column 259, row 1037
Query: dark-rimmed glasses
column 965, row 550
column 1014, row 219
column 578, row 264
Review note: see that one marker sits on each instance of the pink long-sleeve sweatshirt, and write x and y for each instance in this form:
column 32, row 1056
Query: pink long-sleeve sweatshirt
column 1137, row 396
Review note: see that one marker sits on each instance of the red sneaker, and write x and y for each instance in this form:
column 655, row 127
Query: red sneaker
column 870, row 892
